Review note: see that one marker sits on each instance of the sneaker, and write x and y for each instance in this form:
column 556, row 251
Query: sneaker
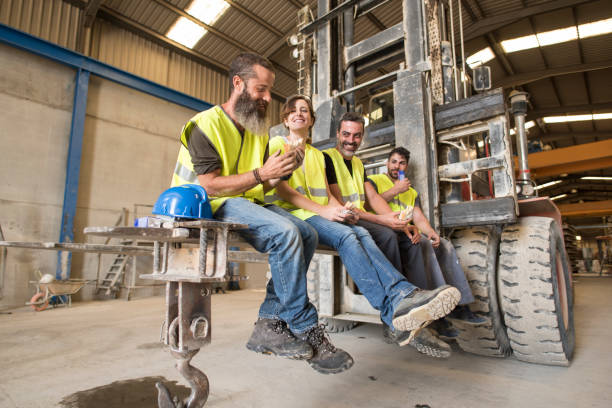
column 273, row 337
column 326, row 358
column 463, row 312
column 424, row 341
column 421, row 307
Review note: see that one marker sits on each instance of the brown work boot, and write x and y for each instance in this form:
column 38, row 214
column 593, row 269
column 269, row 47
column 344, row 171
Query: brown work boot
column 273, row 337
column 326, row 358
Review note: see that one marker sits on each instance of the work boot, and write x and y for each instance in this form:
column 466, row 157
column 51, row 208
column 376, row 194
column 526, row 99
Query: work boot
column 326, row 358
column 421, row 307
column 273, row 337
column 445, row 329
column 425, row 341
column 463, row 312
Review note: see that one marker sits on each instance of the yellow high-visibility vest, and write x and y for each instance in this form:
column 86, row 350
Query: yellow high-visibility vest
column 238, row 154
column 308, row 179
column 400, row 201
column 351, row 187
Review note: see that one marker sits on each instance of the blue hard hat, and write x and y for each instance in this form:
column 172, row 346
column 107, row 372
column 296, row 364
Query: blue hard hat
column 185, row 201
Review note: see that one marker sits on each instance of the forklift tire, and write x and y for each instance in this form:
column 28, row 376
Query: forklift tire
column 535, row 291
column 476, row 249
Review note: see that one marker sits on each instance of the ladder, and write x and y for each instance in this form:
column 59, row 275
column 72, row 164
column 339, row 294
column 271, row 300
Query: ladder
column 114, row 274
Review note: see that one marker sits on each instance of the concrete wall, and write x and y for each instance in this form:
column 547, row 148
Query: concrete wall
column 129, row 150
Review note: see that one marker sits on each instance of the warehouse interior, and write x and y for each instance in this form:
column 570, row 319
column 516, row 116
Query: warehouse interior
column 93, row 96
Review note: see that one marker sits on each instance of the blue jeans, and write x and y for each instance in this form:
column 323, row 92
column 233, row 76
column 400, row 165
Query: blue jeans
column 376, row 278
column 290, row 243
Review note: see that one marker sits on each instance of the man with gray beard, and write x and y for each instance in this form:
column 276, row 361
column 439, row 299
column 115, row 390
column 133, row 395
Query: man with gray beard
column 225, row 149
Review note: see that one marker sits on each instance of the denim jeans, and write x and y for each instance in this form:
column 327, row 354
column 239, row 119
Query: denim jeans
column 376, row 278
column 443, row 268
column 290, row 243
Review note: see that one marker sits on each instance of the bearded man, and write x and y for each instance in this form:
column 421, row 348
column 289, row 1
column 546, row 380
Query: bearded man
column 225, row 149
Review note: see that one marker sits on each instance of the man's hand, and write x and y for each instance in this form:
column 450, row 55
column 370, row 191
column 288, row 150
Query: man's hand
column 401, row 186
column 434, row 238
column 413, row 233
column 337, row 213
column 392, row 221
column 278, row 165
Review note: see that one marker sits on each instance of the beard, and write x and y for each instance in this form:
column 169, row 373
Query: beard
column 251, row 114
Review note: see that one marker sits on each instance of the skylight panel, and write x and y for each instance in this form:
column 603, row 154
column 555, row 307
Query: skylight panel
column 186, row 32
column 576, row 118
column 558, row 36
column 520, row 43
column 595, row 28
column 207, row 11
column 480, row 57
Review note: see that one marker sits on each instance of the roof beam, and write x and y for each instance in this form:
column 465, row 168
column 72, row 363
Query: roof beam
column 527, row 77
column 577, row 109
column 489, row 24
column 579, row 158
column 153, row 35
column 255, row 17
column 589, row 208
column 223, row 36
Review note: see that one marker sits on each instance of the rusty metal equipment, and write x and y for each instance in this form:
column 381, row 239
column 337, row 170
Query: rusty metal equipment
column 190, row 257
column 461, row 164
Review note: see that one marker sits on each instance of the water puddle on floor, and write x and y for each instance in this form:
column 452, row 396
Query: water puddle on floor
column 136, row 393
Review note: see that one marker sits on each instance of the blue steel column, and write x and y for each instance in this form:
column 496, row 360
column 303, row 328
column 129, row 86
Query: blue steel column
column 73, row 168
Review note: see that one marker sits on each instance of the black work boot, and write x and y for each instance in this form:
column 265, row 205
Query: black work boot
column 463, row 312
column 425, row 341
column 421, row 307
column 273, row 337
column 445, row 329
column 326, row 358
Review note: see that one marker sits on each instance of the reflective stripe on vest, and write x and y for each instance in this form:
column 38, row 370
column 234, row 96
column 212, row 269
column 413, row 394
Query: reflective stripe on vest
column 351, row 187
column 308, row 180
column 400, row 201
column 238, row 154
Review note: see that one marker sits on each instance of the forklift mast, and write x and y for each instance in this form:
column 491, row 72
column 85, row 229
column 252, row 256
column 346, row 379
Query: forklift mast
column 460, row 161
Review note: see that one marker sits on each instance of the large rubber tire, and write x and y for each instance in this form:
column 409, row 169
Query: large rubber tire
column 535, row 291
column 331, row 325
column 476, row 249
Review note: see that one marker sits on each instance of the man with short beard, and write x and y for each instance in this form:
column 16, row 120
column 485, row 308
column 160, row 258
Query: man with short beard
column 225, row 149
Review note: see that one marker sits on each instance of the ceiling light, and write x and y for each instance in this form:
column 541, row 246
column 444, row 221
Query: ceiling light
column 595, row 28
column 293, row 39
column 520, row 43
column 573, row 191
column 578, row 238
column 557, row 36
column 600, row 116
column 528, row 125
column 595, row 178
column 558, row 197
column 207, row 11
column 186, row 32
column 480, row 57
column 567, row 118
column 550, row 183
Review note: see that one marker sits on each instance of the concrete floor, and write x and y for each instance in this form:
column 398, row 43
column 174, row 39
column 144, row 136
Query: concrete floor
column 106, row 354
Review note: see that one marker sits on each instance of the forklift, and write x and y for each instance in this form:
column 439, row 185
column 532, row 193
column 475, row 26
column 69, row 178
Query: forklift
column 414, row 94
